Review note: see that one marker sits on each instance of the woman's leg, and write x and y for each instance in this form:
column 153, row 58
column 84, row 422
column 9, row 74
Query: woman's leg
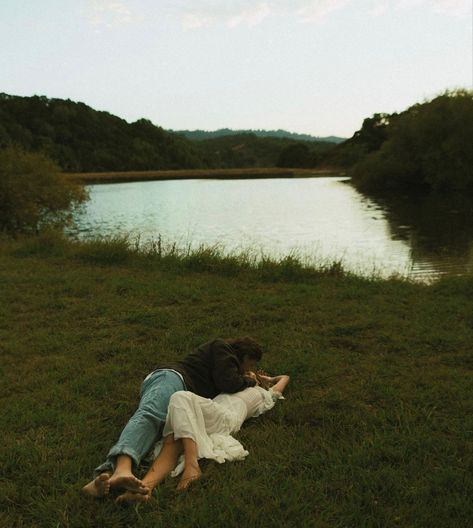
column 163, row 465
column 192, row 469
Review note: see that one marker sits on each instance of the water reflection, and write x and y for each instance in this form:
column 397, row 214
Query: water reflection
column 438, row 229
column 319, row 219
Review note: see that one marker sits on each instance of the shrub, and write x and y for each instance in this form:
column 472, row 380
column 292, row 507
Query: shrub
column 33, row 193
column 49, row 243
column 105, row 251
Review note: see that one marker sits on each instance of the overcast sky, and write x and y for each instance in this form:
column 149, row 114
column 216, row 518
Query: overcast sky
column 312, row 66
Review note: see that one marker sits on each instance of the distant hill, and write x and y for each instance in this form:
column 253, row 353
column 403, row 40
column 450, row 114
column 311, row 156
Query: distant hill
column 81, row 139
column 250, row 150
column 197, row 135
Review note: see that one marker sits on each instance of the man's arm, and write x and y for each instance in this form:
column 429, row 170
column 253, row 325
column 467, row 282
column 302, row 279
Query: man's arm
column 226, row 370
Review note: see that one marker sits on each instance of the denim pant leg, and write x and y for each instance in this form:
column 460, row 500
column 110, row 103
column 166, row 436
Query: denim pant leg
column 145, row 426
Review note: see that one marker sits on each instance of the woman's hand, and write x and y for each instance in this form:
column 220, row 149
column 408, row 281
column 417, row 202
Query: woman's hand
column 273, row 379
column 280, row 383
column 251, row 375
column 267, row 378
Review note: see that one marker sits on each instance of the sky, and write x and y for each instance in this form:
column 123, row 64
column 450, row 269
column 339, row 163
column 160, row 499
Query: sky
column 309, row 66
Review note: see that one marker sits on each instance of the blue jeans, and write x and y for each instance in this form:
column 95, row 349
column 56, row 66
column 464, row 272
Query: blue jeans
column 145, row 427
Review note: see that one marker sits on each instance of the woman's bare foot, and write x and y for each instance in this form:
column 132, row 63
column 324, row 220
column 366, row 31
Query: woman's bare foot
column 131, row 498
column 127, row 481
column 99, row 487
column 189, row 476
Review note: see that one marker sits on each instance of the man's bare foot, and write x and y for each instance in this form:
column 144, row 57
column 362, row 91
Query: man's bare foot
column 132, row 498
column 189, row 476
column 129, row 482
column 99, row 487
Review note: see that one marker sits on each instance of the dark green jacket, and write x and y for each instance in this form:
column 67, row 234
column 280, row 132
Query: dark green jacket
column 212, row 368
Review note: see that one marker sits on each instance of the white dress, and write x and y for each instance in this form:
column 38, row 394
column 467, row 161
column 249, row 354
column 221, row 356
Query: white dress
column 211, row 423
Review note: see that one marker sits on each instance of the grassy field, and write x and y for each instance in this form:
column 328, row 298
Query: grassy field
column 222, row 174
column 376, row 429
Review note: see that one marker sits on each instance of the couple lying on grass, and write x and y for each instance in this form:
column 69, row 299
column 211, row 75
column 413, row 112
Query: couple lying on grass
column 200, row 402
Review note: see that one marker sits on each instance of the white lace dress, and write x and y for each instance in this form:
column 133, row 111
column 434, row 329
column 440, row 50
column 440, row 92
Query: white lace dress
column 211, row 423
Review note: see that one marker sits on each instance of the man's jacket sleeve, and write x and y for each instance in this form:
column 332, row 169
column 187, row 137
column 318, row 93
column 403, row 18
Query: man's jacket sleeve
column 226, row 370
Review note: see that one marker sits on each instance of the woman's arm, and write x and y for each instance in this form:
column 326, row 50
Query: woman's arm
column 281, row 383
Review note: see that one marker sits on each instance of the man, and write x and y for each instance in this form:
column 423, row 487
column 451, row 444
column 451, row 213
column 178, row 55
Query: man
column 214, row 367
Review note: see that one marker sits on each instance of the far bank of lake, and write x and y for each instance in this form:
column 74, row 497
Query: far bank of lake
column 202, row 174
column 317, row 219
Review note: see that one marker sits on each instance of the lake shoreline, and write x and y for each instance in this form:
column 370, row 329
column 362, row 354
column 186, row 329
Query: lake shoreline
column 203, row 174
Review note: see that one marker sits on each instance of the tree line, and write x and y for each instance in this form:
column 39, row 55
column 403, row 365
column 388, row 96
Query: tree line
column 249, row 150
column 81, row 139
column 280, row 133
column 428, row 147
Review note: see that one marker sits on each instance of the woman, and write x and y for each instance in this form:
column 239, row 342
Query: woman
column 201, row 428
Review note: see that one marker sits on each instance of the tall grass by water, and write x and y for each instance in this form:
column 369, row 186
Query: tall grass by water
column 158, row 253
column 186, row 174
column 376, row 428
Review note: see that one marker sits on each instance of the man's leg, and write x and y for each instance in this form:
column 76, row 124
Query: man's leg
column 142, row 430
column 99, row 486
column 123, row 476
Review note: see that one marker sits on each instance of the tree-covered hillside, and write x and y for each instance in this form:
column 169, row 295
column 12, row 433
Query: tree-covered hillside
column 248, row 150
column 82, row 139
column 198, row 135
column 429, row 146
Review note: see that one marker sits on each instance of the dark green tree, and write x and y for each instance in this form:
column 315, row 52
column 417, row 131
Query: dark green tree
column 429, row 146
column 295, row 155
column 369, row 138
column 34, row 193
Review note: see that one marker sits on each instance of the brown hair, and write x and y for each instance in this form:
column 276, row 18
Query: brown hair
column 245, row 346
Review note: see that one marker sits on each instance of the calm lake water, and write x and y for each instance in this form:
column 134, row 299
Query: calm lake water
column 318, row 219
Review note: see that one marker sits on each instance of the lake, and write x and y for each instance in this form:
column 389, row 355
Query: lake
column 321, row 220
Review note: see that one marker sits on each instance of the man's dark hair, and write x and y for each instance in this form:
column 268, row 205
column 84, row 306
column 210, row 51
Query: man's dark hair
column 245, row 346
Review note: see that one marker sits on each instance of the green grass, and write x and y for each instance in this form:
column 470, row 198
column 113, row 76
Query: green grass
column 376, row 429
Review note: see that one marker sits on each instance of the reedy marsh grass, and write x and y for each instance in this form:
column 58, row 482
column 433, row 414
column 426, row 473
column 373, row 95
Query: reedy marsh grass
column 376, row 429
column 186, row 174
